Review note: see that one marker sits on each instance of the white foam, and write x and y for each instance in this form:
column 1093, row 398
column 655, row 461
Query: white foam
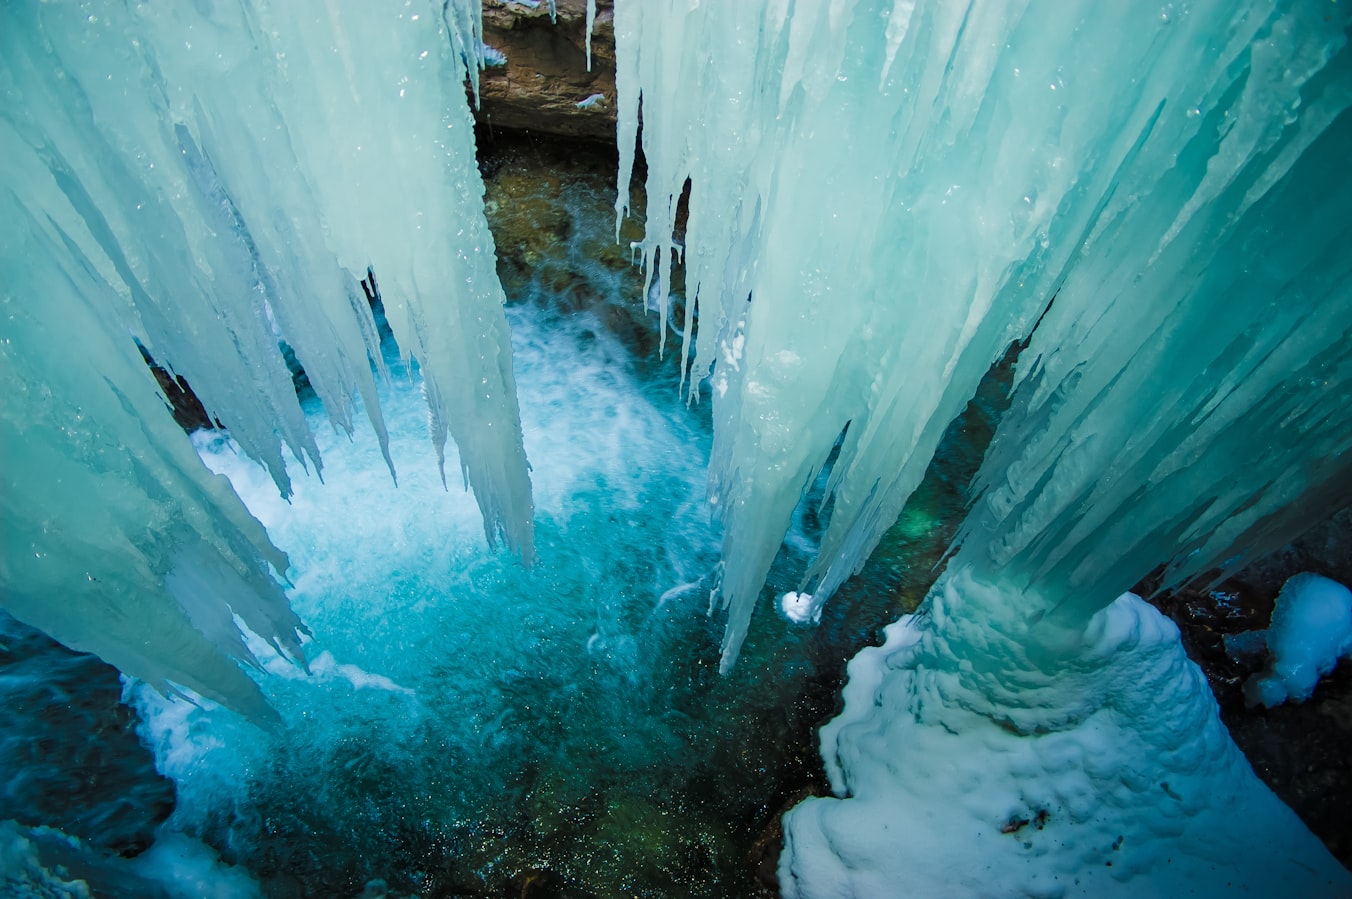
column 324, row 666
column 799, row 607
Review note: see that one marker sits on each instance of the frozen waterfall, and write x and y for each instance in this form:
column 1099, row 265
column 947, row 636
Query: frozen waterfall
column 208, row 181
column 882, row 197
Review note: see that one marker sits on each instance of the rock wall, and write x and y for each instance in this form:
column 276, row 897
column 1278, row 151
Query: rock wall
column 543, row 85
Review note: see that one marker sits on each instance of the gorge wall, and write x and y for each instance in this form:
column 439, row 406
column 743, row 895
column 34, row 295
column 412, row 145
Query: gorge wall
column 543, row 83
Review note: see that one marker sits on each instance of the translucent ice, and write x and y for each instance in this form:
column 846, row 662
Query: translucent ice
column 118, row 542
column 875, row 213
column 882, row 198
column 205, row 180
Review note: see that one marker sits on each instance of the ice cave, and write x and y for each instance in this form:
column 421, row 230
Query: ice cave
column 778, row 494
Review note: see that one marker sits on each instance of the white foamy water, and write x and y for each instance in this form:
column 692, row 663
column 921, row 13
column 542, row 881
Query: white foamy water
column 455, row 698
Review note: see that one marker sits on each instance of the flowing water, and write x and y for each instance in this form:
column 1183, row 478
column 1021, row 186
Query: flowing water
column 472, row 727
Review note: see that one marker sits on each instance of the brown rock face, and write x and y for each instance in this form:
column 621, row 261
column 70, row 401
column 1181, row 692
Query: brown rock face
column 545, row 76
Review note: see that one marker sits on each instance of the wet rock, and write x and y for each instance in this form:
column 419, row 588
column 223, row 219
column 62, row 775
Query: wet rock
column 1298, row 749
column 550, row 206
column 70, row 748
column 187, row 408
column 542, row 83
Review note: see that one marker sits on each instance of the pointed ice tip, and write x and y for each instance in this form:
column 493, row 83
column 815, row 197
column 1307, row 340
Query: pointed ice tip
column 266, row 718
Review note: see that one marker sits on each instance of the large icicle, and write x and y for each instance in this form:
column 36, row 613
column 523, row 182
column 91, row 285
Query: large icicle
column 206, row 180
column 1179, row 209
column 877, row 212
column 118, row 540
column 1186, row 399
column 389, row 153
column 272, row 154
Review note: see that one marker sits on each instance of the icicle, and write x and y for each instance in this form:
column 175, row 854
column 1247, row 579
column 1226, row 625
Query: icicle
column 1193, row 411
column 591, row 23
column 628, row 23
column 107, row 503
column 209, row 179
column 900, row 204
column 408, row 192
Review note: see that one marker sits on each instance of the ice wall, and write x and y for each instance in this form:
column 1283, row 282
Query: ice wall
column 205, row 180
column 1186, row 398
column 1152, row 201
column 884, row 195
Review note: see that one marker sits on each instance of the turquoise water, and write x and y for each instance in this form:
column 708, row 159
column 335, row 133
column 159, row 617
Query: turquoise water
column 470, row 723
column 472, row 727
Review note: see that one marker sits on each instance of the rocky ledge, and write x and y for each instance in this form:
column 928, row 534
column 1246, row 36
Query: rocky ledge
column 537, row 77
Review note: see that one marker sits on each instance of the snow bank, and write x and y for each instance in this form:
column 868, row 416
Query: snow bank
column 985, row 753
column 1311, row 630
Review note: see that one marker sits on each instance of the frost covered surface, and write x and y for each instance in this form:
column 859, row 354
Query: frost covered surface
column 23, row 874
column 210, row 181
column 1311, row 630
column 960, row 166
column 983, row 753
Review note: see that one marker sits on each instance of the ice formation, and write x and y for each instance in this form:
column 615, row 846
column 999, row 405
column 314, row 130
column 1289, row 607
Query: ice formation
column 1156, row 189
column 42, row 862
column 205, row 181
column 1311, row 630
column 882, row 198
column 591, row 26
column 981, row 754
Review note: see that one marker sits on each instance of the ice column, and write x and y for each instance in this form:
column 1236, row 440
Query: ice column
column 884, row 195
column 205, row 181
column 1180, row 215
column 1186, row 398
column 981, row 754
